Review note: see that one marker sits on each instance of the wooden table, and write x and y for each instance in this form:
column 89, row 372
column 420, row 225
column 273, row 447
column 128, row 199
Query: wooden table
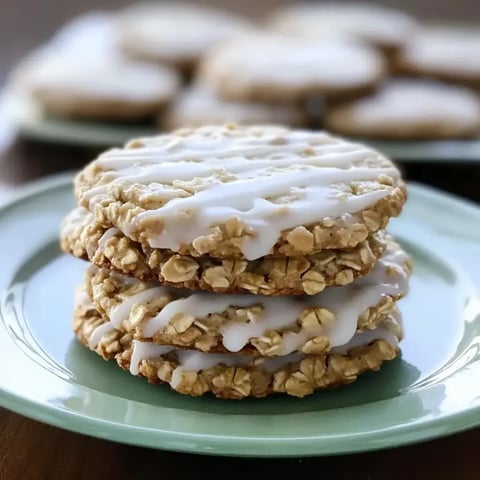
column 31, row 450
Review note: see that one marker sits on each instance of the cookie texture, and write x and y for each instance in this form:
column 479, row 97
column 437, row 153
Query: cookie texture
column 175, row 33
column 409, row 109
column 109, row 248
column 255, row 324
column 198, row 105
column 444, row 53
column 236, row 377
column 243, row 192
column 381, row 26
column 268, row 67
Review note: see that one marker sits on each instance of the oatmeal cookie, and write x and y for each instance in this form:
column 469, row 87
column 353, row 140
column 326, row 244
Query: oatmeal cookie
column 109, row 248
column 234, row 376
column 243, row 192
column 256, row 324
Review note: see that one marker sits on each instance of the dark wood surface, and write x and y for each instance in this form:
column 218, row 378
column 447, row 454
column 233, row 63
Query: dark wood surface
column 31, row 450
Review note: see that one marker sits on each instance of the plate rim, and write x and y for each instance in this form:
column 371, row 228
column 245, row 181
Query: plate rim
column 245, row 446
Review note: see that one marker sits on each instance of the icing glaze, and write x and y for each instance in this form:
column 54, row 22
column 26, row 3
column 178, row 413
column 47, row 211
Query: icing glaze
column 120, row 313
column 98, row 333
column 144, row 351
column 265, row 181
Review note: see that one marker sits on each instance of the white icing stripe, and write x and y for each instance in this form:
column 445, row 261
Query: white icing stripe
column 366, row 337
column 245, row 176
column 110, row 233
column 389, row 277
column 222, row 201
column 144, row 351
column 122, row 311
column 98, row 333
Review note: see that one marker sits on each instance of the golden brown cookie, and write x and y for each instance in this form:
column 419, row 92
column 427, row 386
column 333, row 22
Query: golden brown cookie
column 243, row 192
column 239, row 376
column 109, row 248
column 257, row 324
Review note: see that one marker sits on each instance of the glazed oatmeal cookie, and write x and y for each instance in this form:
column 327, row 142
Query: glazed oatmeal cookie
column 254, row 324
column 234, row 376
column 308, row 274
column 243, row 192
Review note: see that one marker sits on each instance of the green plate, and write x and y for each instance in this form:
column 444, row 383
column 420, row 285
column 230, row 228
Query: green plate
column 432, row 390
column 33, row 124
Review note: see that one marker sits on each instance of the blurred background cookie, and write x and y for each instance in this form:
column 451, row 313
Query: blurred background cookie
column 122, row 90
column 175, row 33
column 446, row 53
column 383, row 27
column 81, row 74
column 198, row 105
column 409, row 108
column 278, row 68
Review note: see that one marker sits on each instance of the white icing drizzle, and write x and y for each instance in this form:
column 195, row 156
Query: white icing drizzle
column 110, row 233
column 98, row 333
column 144, row 351
column 81, row 299
column 260, row 171
column 389, row 277
column 122, row 311
column 365, row 338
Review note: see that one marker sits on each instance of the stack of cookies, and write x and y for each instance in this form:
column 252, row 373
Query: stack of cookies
column 242, row 261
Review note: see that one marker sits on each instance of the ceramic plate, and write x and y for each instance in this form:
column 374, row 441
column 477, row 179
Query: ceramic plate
column 432, row 390
column 33, row 124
